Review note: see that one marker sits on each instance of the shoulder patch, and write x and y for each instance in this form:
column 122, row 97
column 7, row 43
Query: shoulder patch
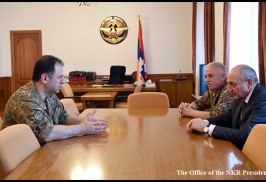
column 38, row 115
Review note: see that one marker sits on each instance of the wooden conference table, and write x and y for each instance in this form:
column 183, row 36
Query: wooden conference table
column 148, row 144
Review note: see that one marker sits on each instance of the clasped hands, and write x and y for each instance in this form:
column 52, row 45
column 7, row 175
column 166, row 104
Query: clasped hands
column 196, row 124
column 92, row 125
column 186, row 108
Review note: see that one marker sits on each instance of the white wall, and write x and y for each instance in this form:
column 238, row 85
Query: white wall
column 71, row 33
column 219, row 31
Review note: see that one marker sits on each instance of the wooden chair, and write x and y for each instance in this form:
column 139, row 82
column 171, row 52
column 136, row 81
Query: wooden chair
column 68, row 93
column 124, row 104
column 148, row 100
column 70, row 106
column 17, row 142
column 255, row 146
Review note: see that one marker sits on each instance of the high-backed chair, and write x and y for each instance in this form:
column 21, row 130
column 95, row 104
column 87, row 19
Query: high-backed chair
column 117, row 74
column 70, row 106
column 148, row 100
column 118, row 104
column 134, row 76
column 255, row 146
column 17, row 142
column 68, row 93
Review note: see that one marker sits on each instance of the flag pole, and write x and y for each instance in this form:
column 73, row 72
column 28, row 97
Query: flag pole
column 138, row 74
column 141, row 71
column 138, row 50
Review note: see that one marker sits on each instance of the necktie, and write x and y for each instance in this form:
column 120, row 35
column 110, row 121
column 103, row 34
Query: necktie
column 243, row 105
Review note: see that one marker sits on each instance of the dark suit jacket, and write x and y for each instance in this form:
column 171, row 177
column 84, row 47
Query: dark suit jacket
column 229, row 127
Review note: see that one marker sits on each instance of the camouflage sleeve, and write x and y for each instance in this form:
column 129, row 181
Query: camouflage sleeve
column 40, row 123
column 204, row 102
column 36, row 118
column 224, row 103
column 10, row 116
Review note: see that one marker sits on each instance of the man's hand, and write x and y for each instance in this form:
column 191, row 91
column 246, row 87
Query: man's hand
column 182, row 106
column 196, row 124
column 187, row 111
column 92, row 125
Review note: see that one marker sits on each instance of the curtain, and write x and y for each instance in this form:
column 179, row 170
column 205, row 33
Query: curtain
column 262, row 42
column 209, row 29
column 194, row 28
column 226, row 34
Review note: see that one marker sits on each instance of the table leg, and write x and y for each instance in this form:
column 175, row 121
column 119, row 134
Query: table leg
column 111, row 104
column 84, row 104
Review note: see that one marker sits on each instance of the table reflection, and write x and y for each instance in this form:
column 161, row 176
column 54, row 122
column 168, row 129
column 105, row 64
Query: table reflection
column 92, row 172
column 233, row 161
column 148, row 112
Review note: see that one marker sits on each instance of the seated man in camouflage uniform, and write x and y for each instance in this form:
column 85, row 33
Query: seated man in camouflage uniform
column 217, row 99
column 36, row 105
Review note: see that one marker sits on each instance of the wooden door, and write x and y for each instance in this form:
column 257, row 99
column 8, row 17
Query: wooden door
column 26, row 48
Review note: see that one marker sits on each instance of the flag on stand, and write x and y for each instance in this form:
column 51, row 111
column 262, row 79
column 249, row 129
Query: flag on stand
column 141, row 70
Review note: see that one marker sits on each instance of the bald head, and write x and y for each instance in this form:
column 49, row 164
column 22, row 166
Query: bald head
column 244, row 72
column 241, row 81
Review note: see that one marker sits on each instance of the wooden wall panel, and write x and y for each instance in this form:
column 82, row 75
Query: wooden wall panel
column 5, row 90
column 156, row 77
column 177, row 91
column 184, row 91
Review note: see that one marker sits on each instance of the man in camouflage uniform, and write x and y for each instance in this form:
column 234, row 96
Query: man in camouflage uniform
column 216, row 99
column 36, row 105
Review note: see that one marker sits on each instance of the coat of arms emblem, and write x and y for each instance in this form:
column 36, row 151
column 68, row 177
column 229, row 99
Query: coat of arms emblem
column 113, row 30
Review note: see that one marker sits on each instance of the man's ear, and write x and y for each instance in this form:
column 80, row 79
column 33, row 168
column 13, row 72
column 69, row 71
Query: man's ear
column 223, row 76
column 44, row 78
column 249, row 82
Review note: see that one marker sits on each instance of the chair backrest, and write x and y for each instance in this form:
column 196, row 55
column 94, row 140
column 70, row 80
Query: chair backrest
column 148, row 100
column 117, row 74
column 70, row 106
column 134, row 76
column 17, row 142
column 255, row 146
column 1, row 123
column 138, row 88
column 67, row 90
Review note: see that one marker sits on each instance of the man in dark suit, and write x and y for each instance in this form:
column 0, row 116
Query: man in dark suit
column 248, row 109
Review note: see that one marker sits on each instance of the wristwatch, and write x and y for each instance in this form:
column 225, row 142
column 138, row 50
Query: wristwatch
column 206, row 129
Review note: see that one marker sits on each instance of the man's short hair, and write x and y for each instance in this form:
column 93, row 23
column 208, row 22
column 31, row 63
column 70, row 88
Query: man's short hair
column 45, row 64
column 219, row 66
column 247, row 72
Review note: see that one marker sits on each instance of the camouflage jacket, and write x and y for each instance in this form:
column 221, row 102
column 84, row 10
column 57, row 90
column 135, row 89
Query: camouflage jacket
column 218, row 101
column 26, row 106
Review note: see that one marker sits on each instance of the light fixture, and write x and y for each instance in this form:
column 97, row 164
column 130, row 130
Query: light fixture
column 85, row 3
